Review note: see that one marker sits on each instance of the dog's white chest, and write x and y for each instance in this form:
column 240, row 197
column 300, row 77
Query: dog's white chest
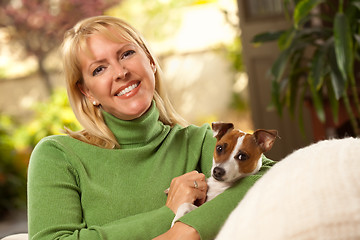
column 215, row 188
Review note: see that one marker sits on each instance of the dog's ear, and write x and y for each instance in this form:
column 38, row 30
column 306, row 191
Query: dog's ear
column 265, row 138
column 220, row 129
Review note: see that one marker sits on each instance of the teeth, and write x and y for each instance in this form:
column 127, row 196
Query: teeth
column 126, row 90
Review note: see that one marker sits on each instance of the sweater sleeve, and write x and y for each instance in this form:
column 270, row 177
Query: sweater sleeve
column 208, row 218
column 54, row 204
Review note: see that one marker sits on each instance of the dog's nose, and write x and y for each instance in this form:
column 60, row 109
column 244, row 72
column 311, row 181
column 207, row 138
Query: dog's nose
column 218, row 173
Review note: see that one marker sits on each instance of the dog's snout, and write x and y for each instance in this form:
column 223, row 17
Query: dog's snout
column 218, row 173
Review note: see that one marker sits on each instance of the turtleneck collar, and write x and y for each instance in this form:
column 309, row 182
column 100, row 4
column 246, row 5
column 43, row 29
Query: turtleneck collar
column 136, row 132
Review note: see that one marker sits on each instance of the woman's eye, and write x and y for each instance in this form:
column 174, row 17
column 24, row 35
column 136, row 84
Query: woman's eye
column 98, row 70
column 127, row 54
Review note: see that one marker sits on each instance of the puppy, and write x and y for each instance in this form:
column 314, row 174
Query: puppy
column 237, row 154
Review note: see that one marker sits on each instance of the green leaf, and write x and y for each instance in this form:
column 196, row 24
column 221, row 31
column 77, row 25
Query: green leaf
column 334, row 103
column 317, row 101
column 343, row 45
column 301, row 112
column 349, row 110
column 267, row 37
column 357, row 38
column 286, row 2
column 275, row 97
column 316, row 69
column 287, row 38
column 292, row 94
column 356, row 4
column 337, row 80
column 278, row 68
column 287, row 5
column 302, row 10
column 294, row 80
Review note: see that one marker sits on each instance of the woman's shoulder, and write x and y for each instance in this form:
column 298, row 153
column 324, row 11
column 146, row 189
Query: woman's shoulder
column 194, row 130
column 194, row 134
column 60, row 142
column 57, row 148
column 55, row 140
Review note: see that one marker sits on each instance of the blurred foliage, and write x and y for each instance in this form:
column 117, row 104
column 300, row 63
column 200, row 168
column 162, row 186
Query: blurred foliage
column 234, row 54
column 2, row 72
column 239, row 101
column 17, row 142
column 50, row 118
column 155, row 20
column 318, row 60
column 12, row 170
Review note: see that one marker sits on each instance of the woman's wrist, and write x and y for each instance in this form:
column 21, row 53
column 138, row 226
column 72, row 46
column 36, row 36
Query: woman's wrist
column 186, row 231
column 180, row 231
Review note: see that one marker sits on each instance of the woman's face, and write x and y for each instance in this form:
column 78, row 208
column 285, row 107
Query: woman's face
column 119, row 76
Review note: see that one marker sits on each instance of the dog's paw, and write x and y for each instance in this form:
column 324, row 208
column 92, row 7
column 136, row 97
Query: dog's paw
column 182, row 210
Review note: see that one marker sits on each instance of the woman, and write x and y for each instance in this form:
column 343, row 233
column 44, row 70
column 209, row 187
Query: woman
column 108, row 180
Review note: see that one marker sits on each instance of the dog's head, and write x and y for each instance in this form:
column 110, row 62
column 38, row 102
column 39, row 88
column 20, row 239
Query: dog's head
column 238, row 154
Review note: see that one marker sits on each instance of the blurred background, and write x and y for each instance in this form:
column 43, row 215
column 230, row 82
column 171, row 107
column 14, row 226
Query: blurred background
column 214, row 71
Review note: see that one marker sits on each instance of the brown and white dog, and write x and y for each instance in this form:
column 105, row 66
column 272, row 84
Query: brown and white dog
column 237, row 154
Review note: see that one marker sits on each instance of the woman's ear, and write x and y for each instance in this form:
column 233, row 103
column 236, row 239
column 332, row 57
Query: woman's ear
column 86, row 92
column 83, row 89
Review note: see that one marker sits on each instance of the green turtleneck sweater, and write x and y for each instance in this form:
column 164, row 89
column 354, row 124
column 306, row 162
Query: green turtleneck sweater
column 80, row 191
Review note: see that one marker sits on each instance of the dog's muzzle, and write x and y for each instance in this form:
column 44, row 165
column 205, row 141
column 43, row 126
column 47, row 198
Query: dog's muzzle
column 218, row 173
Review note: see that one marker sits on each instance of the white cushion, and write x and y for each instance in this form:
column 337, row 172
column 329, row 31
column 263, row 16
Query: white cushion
column 314, row 193
column 20, row 236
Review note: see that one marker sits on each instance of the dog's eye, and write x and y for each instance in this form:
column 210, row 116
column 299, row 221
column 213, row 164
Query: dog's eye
column 221, row 148
column 242, row 156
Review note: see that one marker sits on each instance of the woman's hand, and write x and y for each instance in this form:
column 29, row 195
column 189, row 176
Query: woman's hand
column 180, row 231
column 188, row 188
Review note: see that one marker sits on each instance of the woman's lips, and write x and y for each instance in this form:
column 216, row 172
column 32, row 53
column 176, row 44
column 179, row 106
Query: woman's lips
column 128, row 90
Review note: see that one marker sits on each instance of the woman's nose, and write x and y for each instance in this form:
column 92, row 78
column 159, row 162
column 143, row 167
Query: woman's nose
column 120, row 71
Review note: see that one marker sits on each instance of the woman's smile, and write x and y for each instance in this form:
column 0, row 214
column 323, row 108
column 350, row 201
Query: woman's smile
column 128, row 90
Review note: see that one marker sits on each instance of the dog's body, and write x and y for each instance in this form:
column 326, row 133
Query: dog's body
column 237, row 154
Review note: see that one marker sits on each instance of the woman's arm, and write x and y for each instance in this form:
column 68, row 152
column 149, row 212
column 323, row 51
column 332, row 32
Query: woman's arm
column 55, row 206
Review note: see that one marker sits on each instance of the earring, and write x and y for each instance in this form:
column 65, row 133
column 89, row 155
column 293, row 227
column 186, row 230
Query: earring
column 94, row 103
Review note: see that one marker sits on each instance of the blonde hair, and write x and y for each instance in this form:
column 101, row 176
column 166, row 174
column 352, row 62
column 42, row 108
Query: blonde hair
column 90, row 117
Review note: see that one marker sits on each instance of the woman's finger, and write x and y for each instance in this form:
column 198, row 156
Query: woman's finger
column 200, row 197
column 188, row 188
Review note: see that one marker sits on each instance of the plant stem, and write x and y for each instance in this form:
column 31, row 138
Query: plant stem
column 354, row 87
column 355, row 94
column 341, row 4
column 352, row 117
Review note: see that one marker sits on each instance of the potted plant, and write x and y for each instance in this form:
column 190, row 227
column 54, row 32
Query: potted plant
column 319, row 53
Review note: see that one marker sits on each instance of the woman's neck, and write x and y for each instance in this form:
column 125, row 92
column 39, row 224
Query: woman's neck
column 137, row 132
